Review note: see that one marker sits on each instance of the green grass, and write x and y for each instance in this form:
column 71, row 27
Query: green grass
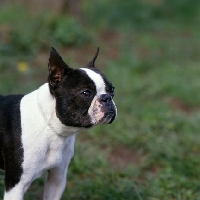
column 152, row 150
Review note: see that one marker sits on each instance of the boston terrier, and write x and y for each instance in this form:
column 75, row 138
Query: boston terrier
column 38, row 130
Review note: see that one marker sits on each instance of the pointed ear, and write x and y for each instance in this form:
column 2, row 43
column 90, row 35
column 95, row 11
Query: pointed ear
column 57, row 68
column 92, row 62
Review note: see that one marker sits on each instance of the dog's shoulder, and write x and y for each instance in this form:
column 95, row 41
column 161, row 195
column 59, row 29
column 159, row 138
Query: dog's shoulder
column 9, row 106
column 10, row 100
column 9, row 109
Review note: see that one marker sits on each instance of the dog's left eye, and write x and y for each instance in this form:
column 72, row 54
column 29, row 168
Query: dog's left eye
column 86, row 93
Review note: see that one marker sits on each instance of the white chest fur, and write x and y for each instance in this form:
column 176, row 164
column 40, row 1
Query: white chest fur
column 46, row 141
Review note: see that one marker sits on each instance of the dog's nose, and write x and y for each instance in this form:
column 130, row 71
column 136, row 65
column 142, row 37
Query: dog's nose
column 106, row 98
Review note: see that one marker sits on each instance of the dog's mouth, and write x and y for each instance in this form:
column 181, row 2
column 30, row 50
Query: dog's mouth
column 102, row 112
column 108, row 118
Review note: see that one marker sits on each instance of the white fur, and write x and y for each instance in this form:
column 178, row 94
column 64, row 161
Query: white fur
column 97, row 79
column 95, row 109
column 47, row 144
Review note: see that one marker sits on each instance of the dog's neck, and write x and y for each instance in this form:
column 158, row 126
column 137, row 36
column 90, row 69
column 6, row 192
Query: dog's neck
column 45, row 101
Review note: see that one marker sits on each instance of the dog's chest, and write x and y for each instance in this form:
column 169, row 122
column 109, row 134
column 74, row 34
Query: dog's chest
column 59, row 151
column 42, row 146
column 54, row 153
column 47, row 151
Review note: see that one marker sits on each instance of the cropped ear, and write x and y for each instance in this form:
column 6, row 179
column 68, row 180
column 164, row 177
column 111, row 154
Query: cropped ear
column 91, row 63
column 57, row 68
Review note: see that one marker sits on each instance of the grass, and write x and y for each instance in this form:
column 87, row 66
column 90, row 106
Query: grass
column 152, row 149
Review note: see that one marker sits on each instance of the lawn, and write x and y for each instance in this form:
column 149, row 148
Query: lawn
column 152, row 150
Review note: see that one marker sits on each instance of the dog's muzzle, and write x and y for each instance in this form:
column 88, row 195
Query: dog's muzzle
column 108, row 108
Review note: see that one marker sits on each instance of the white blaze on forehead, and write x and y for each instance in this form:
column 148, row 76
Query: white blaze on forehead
column 97, row 79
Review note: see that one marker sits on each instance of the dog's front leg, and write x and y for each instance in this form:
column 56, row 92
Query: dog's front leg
column 16, row 193
column 56, row 177
column 55, row 184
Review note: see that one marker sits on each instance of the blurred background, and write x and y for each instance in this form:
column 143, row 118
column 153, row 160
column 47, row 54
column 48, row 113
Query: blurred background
column 150, row 50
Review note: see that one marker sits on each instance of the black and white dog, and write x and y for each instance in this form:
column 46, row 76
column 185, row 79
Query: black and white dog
column 37, row 130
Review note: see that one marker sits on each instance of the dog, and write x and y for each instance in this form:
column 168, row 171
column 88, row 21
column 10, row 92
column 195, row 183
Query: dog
column 38, row 130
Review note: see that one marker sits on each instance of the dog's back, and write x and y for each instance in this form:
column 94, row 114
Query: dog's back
column 10, row 137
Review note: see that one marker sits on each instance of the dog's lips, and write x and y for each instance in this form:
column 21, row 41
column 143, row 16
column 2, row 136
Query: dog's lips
column 108, row 118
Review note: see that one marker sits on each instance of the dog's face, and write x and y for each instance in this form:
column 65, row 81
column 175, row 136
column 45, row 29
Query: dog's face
column 84, row 97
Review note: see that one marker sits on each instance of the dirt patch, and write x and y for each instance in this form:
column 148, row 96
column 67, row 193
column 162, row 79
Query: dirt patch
column 179, row 105
column 122, row 156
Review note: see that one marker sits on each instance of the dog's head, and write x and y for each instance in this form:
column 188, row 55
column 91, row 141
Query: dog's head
column 84, row 96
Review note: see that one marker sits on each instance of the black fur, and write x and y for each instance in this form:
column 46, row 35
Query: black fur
column 11, row 156
column 73, row 110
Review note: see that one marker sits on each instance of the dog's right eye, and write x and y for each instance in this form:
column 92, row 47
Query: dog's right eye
column 86, row 93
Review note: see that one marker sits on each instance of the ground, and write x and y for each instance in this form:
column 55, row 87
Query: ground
column 152, row 149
